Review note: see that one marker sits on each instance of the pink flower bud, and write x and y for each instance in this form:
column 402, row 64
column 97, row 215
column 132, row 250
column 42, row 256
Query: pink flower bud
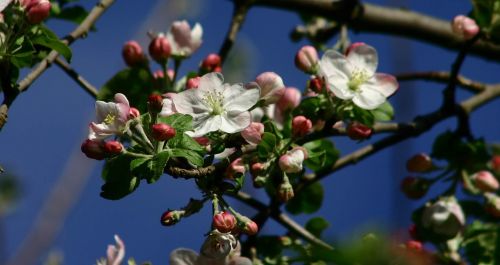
column 414, row 187
column 316, row 84
column 162, row 132
column 224, row 222
column 485, row 181
column 249, row 226
column 112, row 147
column 253, row 133
column 419, row 163
column 285, row 191
column 271, row 87
column 301, row 126
column 237, row 167
column 155, row 103
column 291, row 162
column 290, row 99
column 306, row 59
column 256, row 169
column 170, row 218
column 465, row 27
column 160, row 49
column 358, row 131
column 193, row 82
column 204, row 141
column 37, row 11
column 494, row 164
column 211, row 63
column 133, row 113
column 132, row 53
column 93, row 149
column 414, row 245
column 352, row 46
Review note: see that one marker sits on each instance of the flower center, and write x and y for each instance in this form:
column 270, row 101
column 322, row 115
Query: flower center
column 110, row 118
column 358, row 77
column 215, row 101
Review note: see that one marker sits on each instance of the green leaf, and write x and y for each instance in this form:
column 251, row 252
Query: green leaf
column 159, row 162
column 267, row 145
column 50, row 40
column 119, row 182
column 384, row 112
column 183, row 141
column 317, row 225
column 482, row 12
column 192, row 156
column 309, row 200
column 481, row 243
column 321, row 155
column 75, row 14
column 133, row 83
column 181, row 122
column 138, row 162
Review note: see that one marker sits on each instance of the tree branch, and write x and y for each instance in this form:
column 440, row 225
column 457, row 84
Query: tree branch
column 442, row 77
column 87, row 86
column 386, row 20
column 240, row 12
column 80, row 31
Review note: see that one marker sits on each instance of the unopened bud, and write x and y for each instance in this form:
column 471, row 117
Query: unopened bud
column 291, row 162
column 495, row 164
column 290, row 99
column 415, row 187
column 358, row 131
column 211, row 63
column 193, row 82
column 155, row 103
column 419, row 163
column 112, row 147
column 37, row 11
column 93, row 149
column 248, row 226
column 236, row 168
column 132, row 53
column 285, row 191
column 306, row 59
column 271, row 87
column 316, row 84
column 465, row 27
column 160, row 49
column 301, row 126
column 485, row 181
column 412, row 231
column 162, row 132
column 133, row 113
column 170, row 218
column 253, row 133
column 224, row 222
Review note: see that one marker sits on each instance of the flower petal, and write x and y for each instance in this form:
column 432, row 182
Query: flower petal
column 334, row 64
column 364, row 57
column 205, row 124
column 102, row 110
column 190, row 102
column 210, row 81
column 234, row 121
column 385, row 83
column 196, row 35
column 121, row 98
column 237, row 98
column 341, row 89
column 183, row 256
column 368, row 98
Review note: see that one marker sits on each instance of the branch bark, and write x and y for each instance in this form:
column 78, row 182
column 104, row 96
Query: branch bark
column 86, row 85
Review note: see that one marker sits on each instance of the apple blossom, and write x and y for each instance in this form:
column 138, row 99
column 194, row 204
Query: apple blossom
column 132, row 53
column 444, row 217
column 216, row 106
column 167, row 108
column 306, row 59
column 93, row 149
column 291, row 162
column 162, row 132
column 290, row 99
column 301, row 126
column 114, row 253
column 37, row 10
column 353, row 77
column 465, row 27
column 485, row 181
column 224, row 222
column 271, row 87
column 253, row 133
column 419, row 163
column 184, row 40
column 111, row 118
column 159, row 48
column 3, row 5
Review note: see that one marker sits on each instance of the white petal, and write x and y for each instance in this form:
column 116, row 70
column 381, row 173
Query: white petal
column 368, row 98
column 120, row 98
column 210, row 81
column 335, row 65
column 167, row 108
column 102, row 110
column 364, row 57
column 183, row 256
column 340, row 89
column 4, row 4
column 235, row 121
column 237, row 98
column 205, row 124
column 196, row 35
column 190, row 102
column 385, row 83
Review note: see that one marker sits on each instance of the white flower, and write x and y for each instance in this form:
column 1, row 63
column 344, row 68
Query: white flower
column 444, row 217
column 353, row 77
column 291, row 162
column 216, row 106
column 111, row 117
column 115, row 254
column 218, row 249
column 167, row 108
column 184, row 41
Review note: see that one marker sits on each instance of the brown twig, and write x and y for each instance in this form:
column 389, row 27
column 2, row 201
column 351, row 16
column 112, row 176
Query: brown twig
column 442, row 77
column 87, row 86
column 240, row 12
column 79, row 32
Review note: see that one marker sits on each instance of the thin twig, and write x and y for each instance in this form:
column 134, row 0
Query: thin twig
column 87, row 86
column 442, row 77
column 240, row 12
column 79, row 32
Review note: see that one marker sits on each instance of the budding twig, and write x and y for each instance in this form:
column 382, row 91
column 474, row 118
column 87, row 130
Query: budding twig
column 86, row 85
column 240, row 12
column 442, row 77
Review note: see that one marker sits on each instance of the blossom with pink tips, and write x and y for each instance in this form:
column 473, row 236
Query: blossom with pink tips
column 291, row 162
column 114, row 253
column 301, row 126
column 464, row 26
column 271, row 87
column 253, row 133
column 485, row 181
column 111, row 118
column 306, row 59
column 290, row 99
column 184, row 40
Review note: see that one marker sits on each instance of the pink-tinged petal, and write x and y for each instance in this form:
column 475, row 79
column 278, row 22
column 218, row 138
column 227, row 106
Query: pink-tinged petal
column 237, row 98
column 123, row 111
column 190, row 102
column 363, row 57
column 183, row 256
column 385, row 83
column 210, row 81
column 271, row 86
column 121, row 98
column 181, row 32
column 100, row 131
column 234, row 121
column 368, row 98
column 205, row 124
column 196, row 35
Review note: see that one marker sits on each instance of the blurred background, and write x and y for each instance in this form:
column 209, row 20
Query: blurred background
column 58, row 187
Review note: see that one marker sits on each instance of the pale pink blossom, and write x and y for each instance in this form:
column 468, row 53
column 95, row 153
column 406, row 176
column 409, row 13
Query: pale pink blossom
column 111, row 118
column 290, row 99
column 465, row 27
column 271, row 87
column 184, row 40
column 253, row 133
column 306, row 59
column 114, row 253
column 291, row 162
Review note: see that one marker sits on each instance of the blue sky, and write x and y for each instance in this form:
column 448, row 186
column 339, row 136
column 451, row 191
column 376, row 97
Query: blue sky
column 48, row 123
